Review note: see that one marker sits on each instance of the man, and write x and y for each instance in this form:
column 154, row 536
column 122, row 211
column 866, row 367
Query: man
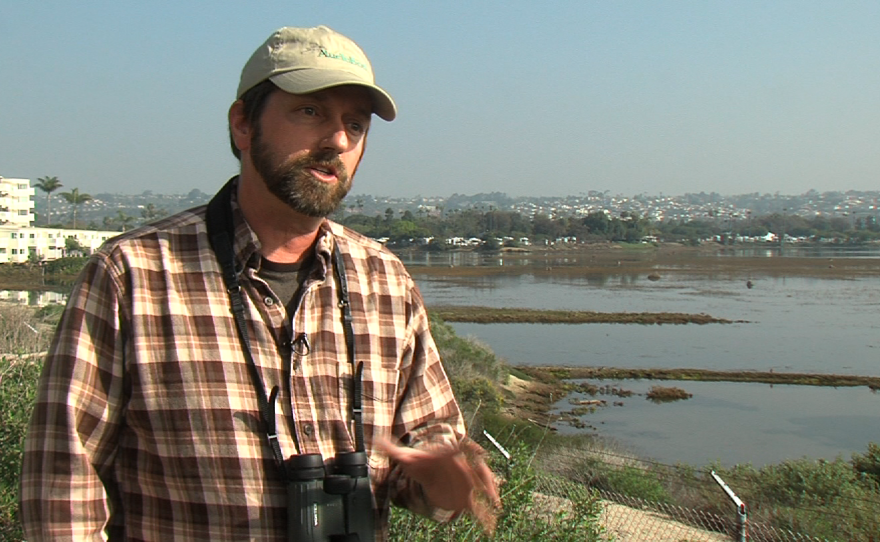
column 196, row 355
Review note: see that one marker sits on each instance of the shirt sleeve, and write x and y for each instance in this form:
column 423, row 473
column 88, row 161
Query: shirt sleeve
column 428, row 414
column 71, row 441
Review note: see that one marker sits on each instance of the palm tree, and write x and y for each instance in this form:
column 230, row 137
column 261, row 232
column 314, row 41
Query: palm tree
column 121, row 220
column 48, row 185
column 124, row 220
column 150, row 212
column 75, row 198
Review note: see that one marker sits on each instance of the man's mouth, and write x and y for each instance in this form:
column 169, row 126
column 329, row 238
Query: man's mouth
column 324, row 172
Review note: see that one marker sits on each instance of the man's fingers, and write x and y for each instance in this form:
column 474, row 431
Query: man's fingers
column 407, row 456
column 454, row 477
column 487, row 480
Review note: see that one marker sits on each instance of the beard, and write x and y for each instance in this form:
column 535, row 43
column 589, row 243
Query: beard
column 291, row 181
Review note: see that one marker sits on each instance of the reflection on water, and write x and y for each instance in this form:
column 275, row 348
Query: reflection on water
column 32, row 297
column 798, row 251
column 791, row 325
column 483, row 259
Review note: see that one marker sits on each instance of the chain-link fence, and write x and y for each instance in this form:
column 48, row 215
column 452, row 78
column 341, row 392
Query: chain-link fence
column 632, row 519
column 649, row 501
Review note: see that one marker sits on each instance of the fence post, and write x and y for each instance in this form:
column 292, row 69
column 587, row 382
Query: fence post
column 740, row 508
column 497, row 444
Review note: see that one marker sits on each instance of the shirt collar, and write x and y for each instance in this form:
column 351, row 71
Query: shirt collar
column 246, row 244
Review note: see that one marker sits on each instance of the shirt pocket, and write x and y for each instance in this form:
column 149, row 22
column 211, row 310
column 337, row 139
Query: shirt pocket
column 379, row 401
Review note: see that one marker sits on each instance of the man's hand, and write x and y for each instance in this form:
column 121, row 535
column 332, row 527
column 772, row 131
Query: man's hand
column 453, row 478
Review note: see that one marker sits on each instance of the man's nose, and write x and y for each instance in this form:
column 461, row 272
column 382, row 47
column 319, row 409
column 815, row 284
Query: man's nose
column 337, row 137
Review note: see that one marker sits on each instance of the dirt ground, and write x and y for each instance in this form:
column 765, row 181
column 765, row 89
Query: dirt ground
column 625, row 524
column 531, row 399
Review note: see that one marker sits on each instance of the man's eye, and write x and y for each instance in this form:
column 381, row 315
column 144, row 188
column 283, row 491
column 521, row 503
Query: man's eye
column 357, row 127
column 309, row 111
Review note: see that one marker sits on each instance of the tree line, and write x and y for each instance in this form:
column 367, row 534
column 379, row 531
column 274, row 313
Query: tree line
column 118, row 222
column 496, row 227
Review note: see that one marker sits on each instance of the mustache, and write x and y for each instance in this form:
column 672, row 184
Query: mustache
column 325, row 159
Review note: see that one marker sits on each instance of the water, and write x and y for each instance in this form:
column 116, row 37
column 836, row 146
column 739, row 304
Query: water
column 791, row 325
column 797, row 325
column 741, row 423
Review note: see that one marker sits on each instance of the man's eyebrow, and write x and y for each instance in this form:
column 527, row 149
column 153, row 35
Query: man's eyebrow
column 366, row 110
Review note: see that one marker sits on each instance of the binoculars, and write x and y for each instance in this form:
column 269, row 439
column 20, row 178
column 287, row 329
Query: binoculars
column 334, row 507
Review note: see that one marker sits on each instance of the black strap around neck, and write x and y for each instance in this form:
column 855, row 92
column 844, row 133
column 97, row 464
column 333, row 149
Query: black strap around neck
column 357, row 368
column 221, row 232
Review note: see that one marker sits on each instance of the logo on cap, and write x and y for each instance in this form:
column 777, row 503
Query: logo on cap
column 343, row 57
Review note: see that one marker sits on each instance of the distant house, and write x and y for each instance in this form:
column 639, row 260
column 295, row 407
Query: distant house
column 462, row 242
column 18, row 245
column 20, row 241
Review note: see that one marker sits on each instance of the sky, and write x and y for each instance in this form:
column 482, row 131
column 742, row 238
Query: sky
column 529, row 98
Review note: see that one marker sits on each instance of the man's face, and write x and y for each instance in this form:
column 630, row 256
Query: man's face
column 308, row 147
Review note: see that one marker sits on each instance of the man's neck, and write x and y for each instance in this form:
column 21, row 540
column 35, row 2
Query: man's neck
column 285, row 235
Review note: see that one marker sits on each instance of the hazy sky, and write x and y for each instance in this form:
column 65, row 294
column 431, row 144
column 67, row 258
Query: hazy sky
column 527, row 98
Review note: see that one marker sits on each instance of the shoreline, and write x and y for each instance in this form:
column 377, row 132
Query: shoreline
column 709, row 375
column 533, row 390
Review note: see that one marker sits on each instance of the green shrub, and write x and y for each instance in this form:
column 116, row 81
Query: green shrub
column 628, row 478
column 50, row 314
column 475, row 372
column 868, row 464
column 522, row 517
column 18, row 379
column 822, row 498
column 636, row 482
column 466, row 358
column 70, row 265
column 476, row 393
column 527, row 433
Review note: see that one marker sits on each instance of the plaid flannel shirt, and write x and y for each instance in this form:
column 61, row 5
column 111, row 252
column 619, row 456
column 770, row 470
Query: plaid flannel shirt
column 147, row 425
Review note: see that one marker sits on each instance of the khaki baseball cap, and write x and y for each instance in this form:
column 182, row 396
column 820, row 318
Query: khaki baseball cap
column 304, row 60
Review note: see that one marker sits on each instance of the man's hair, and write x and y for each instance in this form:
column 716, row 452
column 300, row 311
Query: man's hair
column 254, row 101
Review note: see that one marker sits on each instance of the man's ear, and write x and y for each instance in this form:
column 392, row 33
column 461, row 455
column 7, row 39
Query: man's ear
column 239, row 127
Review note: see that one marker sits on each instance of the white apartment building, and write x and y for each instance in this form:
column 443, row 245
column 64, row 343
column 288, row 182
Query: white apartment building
column 19, row 239
column 16, row 202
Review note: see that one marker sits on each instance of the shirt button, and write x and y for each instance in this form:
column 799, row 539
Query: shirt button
column 307, row 429
column 268, row 301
